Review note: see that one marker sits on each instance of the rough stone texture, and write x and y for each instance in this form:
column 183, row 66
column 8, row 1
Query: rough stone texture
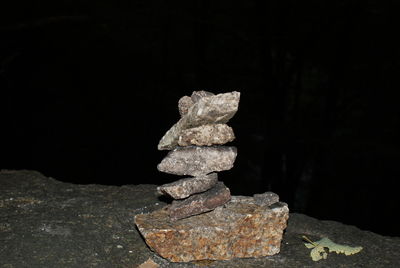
column 48, row 223
column 266, row 199
column 197, row 161
column 237, row 230
column 207, row 110
column 197, row 95
column 184, row 104
column 185, row 187
column 206, row 135
column 199, row 203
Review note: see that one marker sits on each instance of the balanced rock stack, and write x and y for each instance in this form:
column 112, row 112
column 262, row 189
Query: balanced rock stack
column 196, row 151
column 205, row 221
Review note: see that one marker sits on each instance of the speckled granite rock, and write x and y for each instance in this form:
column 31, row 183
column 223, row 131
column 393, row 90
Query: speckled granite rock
column 239, row 229
column 207, row 110
column 48, row 223
column 206, row 135
column 185, row 187
column 197, row 161
column 184, row 104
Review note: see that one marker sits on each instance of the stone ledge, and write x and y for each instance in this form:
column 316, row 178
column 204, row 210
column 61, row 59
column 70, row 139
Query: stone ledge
column 48, row 223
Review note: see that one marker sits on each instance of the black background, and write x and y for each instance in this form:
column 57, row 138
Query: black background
column 89, row 87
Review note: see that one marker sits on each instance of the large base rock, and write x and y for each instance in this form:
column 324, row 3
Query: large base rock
column 242, row 228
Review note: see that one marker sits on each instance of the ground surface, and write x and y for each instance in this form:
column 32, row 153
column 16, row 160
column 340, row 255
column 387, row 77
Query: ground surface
column 47, row 223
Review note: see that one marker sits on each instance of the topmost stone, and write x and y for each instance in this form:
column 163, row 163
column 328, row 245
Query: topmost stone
column 207, row 109
column 186, row 102
column 197, row 95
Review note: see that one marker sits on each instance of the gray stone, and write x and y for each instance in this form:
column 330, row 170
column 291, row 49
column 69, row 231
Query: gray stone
column 200, row 203
column 185, row 187
column 49, row 223
column 184, row 104
column 197, row 95
column 36, row 213
column 206, row 135
column 266, row 199
column 197, row 161
column 239, row 229
column 207, row 110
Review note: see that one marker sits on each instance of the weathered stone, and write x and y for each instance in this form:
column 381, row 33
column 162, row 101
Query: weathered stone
column 239, row 229
column 206, row 135
column 197, row 95
column 200, row 203
column 185, row 187
column 265, row 199
column 86, row 225
column 197, row 161
column 207, row 110
column 184, row 104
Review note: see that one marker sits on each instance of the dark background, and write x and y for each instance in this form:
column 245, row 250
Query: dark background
column 89, row 87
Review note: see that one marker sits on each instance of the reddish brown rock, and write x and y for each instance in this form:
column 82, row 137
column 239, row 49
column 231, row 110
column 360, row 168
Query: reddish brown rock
column 197, row 161
column 200, row 203
column 242, row 228
column 185, row 187
column 206, row 135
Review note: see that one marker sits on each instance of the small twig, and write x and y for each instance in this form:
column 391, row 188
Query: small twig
column 309, row 240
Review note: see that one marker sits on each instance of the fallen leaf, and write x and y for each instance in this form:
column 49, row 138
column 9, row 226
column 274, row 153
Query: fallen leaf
column 321, row 248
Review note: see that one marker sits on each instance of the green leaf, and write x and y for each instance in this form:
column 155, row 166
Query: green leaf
column 321, row 248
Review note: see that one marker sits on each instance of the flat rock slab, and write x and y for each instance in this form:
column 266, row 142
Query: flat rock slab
column 200, row 203
column 213, row 109
column 264, row 199
column 206, row 135
column 198, row 161
column 49, row 223
column 239, row 229
column 185, row 187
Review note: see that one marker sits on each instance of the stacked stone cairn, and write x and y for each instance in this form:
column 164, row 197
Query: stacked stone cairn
column 204, row 222
column 196, row 143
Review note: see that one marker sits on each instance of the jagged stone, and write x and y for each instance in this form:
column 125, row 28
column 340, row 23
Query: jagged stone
column 184, row 104
column 197, row 161
column 197, row 95
column 188, row 186
column 265, row 199
column 200, row 203
column 206, row 135
column 207, row 110
column 239, row 229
